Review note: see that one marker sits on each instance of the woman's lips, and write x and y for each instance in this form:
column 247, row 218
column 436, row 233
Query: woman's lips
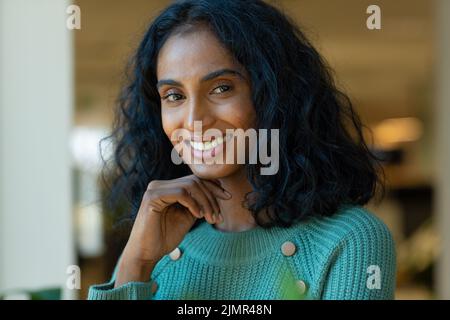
column 207, row 149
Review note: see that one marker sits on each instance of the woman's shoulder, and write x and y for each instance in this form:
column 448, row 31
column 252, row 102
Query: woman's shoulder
column 354, row 224
column 350, row 219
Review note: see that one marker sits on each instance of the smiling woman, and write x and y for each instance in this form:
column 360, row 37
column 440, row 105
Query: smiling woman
column 201, row 81
column 223, row 230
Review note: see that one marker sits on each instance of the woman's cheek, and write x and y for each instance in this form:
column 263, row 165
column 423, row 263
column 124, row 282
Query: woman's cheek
column 244, row 111
column 169, row 125
column 238, row 112
column 245, row 118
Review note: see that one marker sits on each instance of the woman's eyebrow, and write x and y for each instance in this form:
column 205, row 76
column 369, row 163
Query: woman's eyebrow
column 208, row 77
column 170, row 82
column 221, row 72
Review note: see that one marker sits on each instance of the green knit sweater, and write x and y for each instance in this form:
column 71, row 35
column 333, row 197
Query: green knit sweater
column 349, row 255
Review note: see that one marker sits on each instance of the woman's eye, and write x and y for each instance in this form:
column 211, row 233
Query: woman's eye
column 221, row 89
column 172, row 97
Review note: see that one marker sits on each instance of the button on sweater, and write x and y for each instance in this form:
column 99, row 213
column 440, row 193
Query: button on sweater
column 349, row 255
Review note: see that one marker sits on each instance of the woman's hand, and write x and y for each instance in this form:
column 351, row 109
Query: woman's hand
column 168, row 210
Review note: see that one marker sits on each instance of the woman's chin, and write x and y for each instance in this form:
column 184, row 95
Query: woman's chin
column 214, row 171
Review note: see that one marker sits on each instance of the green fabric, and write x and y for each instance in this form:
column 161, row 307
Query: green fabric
column 350, row 255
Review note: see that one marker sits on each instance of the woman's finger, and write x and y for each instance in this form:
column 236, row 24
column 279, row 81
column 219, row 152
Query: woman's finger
column 202, row 199
column 190, row 184
column 170, row 196
column 217, row 190
column 212, row 199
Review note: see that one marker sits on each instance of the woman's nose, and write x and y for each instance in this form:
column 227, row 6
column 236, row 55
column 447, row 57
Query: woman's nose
column 198, row 117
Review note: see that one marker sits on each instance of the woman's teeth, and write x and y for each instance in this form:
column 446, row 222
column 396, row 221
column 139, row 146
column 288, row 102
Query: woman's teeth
column 205, row 146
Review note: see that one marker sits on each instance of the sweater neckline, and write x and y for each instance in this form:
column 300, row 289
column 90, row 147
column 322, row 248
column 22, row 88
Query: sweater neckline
column 213, row 246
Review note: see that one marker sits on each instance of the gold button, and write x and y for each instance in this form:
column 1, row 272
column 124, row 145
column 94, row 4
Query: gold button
column 301, row 285
column 175, row 254
column 154, row 287
column 288, row 248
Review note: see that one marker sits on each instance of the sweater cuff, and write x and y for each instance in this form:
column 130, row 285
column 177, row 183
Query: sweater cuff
column 127, row 291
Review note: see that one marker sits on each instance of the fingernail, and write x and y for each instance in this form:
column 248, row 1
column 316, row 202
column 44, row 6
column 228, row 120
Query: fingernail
column 227, row 193
column 201, row 213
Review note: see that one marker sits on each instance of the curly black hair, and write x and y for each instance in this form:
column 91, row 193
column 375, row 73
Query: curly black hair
column 324, row 159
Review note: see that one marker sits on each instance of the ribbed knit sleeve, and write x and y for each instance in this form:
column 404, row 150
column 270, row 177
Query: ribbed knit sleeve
column 127, row 291
column 363, row 264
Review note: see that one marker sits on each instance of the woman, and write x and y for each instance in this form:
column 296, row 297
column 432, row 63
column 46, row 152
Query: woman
column 225, row 230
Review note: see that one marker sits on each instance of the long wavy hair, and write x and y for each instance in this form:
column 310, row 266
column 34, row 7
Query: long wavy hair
column 324, row 159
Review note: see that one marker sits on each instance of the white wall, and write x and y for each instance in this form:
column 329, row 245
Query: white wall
column 442, row 168
column 36, row 97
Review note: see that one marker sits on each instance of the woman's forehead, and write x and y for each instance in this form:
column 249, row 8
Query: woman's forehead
column 193, row 54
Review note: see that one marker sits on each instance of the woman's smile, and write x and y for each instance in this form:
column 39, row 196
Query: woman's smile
column 207, row 149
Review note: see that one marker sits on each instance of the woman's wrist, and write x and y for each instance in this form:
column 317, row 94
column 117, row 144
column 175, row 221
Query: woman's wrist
column 133, row 270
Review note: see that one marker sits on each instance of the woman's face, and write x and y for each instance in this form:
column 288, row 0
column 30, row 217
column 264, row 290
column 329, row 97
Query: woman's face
column 198, row 80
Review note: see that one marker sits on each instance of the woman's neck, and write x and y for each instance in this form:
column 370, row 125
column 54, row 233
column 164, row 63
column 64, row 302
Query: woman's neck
column 236, row 217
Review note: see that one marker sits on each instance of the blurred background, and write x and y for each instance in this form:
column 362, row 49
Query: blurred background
column 57, row 94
